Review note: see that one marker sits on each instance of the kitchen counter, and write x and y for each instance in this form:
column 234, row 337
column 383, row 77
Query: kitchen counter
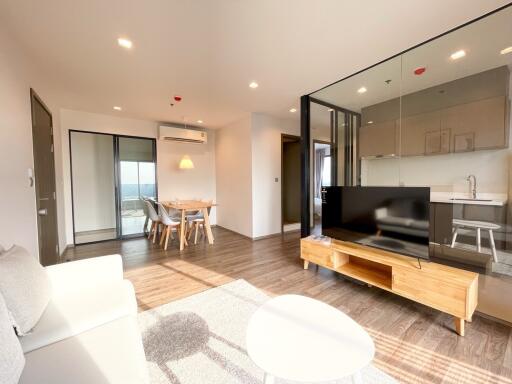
column 492, row 199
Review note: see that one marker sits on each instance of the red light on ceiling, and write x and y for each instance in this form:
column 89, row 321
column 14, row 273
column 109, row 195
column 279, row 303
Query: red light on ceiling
column 177, row 98
column 420, row 71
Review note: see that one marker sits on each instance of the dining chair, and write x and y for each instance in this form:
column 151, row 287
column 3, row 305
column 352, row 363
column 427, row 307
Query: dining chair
column 197, row 223
column 169, row 224
column 155, row 220
column 190, row 217
column 146, row 213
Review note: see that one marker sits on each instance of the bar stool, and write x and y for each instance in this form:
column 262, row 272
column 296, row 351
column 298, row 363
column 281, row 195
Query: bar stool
column 478, row 226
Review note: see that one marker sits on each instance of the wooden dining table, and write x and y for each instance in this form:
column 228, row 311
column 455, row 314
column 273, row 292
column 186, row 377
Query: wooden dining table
column 189, row 206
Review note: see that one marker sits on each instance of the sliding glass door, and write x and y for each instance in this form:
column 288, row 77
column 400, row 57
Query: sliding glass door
column 93, row 185
column 110, row 175
column 137, row 180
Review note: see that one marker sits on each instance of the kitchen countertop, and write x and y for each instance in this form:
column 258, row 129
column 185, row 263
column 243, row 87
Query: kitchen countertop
column 494, row 199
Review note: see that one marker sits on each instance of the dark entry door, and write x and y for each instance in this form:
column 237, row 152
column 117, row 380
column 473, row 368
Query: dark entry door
column 44, row 172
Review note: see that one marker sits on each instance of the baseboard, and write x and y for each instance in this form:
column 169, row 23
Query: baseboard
column 63, row 251
column 496, row 319
column 235, row 232
column 267, row 236
column 291, row 227
column 253, row 238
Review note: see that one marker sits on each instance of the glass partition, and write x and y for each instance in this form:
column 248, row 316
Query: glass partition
column 436, row 116
column 321, row 165
column 137, row 180
column 93, row 183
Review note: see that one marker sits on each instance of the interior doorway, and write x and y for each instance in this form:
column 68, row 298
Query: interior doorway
column 290, row 183
column 44, row 172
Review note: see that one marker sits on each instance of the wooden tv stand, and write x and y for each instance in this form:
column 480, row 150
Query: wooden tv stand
column 450, row 290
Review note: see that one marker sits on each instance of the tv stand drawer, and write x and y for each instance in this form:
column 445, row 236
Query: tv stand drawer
column 429, row 290
column 317, row 252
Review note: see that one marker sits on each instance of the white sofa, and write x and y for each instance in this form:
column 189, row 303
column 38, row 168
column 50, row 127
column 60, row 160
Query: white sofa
column 89, row 331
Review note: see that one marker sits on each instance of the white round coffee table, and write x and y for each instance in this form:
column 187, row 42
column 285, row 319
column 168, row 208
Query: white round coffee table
column 301, row 339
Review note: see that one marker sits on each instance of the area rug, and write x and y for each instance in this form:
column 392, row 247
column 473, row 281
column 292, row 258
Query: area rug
column 201, row 339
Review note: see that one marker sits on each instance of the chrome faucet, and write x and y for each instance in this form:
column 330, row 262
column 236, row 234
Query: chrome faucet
column 472, row 185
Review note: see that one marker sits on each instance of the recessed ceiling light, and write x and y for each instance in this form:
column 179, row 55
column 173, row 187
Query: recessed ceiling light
column 293, row 110
column 118, row 108
column 506, row 50
column 361, row 90
column 125, row 43
column 458, row 55
column 200, row 121
column 370, row 122
column 253, row 85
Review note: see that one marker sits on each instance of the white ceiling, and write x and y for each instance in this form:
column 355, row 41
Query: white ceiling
column 482, row 41
column 208, row 51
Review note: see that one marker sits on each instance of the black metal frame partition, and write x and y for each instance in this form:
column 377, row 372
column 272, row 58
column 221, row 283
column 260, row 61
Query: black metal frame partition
column 117, row 180
column 305, row 123
column 348, row 153
column 349, row 139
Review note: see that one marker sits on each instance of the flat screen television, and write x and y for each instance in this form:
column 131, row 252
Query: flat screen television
column 390, row 218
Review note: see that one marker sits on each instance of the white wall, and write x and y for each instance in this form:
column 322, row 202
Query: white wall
column 248, row 155
column 93, row 182
column 197, row 183
column 172, row 182
column 234, row 176
column 266, row 168
column 18, row 219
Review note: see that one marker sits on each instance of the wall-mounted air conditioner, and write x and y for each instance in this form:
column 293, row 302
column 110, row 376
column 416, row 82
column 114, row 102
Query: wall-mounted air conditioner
column 182, row 135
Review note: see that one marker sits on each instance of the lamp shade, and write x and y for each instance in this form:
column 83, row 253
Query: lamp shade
column 186, row 163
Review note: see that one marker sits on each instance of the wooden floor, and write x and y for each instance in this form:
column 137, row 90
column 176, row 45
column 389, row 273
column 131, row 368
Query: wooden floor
column 415, row 344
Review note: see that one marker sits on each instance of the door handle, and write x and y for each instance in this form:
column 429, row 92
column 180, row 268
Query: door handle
column 42, row 212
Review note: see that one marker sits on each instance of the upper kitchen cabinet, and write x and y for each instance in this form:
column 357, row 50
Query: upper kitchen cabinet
column 421, row 135
column 379, row 135
column 481, row 124
column 378, row 139
column 467, row 114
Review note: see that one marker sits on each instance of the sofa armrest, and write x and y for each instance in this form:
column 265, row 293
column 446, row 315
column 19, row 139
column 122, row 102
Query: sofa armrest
column 85, row 274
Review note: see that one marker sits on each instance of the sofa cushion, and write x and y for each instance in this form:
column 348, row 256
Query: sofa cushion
column 25, row 287
column 394, row 220
column 70, row 315
column 112, row 353
column 11, row 355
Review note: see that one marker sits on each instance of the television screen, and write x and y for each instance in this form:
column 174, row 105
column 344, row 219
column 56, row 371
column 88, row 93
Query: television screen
column 390, row 218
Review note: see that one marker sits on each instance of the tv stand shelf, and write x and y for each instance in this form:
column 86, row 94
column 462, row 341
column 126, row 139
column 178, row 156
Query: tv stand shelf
column 447, row 289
